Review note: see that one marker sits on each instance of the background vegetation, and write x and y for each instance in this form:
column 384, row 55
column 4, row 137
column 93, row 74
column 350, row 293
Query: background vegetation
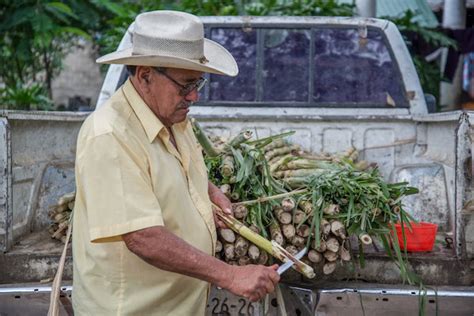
column 36, row 36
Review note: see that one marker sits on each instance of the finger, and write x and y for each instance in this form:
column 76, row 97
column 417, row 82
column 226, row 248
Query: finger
column 274, row 267
column 275, row 277
column 269, row 286
column 227, row 210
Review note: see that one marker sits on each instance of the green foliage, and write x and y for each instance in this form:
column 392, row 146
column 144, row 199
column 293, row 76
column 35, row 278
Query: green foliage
column 429, row 73
column 36, row 35
column 315, row 8
column 20, row 97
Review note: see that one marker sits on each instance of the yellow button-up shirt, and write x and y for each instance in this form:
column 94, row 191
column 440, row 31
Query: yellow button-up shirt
column 129, row 176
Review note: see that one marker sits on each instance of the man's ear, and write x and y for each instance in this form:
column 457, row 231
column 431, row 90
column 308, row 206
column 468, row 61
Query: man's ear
column 143, row 74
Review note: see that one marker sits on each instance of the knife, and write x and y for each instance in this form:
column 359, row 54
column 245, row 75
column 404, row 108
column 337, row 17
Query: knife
column 288, row 264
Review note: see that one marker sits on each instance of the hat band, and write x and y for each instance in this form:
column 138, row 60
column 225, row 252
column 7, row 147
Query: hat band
column 143, row 45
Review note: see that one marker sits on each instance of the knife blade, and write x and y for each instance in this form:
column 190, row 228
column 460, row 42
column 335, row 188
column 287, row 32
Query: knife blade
column 288, row 264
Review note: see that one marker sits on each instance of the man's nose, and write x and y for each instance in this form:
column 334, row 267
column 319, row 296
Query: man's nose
column 192, row 96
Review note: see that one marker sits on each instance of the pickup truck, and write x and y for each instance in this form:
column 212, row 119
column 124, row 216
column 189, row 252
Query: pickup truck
column 338, row 83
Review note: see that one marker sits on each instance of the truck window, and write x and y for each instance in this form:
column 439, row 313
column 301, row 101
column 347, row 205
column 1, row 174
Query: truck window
column 313, row 67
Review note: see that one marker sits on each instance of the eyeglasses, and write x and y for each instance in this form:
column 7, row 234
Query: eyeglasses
column 184, row 89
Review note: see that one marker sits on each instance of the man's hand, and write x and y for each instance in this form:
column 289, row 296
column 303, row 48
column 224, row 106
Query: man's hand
column 254, row 281
column 219, row 199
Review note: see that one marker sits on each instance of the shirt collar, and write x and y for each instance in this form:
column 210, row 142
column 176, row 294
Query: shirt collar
column 151, row 124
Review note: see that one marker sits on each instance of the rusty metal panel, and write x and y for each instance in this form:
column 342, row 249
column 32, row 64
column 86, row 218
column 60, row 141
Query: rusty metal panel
column 5, row 186
column 463, row 153
column 431, row 204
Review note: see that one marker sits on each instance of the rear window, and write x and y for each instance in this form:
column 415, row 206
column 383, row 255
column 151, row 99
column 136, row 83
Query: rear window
column 314, row 67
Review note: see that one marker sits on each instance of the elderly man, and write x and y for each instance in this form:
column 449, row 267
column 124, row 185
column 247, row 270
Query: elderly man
column 144, row 232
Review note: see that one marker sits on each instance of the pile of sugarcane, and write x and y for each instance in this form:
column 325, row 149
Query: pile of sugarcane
column 60, row 215
column 299, row 199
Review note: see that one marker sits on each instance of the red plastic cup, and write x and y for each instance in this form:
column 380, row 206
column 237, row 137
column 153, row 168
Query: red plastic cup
column 421, row 237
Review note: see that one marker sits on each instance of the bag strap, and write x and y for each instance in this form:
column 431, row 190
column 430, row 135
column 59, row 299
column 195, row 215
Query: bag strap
column 56, row 286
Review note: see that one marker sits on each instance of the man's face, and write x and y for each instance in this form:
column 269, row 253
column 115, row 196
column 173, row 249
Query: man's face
column 164, row 97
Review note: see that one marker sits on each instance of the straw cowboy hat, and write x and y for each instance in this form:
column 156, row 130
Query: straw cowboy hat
column 175, row 40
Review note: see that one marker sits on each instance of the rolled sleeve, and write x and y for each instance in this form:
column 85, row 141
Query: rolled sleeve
column 117, row 189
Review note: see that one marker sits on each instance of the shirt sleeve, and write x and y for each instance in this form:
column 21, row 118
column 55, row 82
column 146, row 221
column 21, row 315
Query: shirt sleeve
column 116, row 184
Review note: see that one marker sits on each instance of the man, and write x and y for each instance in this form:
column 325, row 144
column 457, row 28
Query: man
column 144, row 232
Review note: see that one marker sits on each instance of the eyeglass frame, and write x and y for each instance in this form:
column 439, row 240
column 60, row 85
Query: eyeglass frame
column 184, row 89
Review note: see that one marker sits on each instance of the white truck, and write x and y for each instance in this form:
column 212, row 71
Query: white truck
column 337, row 82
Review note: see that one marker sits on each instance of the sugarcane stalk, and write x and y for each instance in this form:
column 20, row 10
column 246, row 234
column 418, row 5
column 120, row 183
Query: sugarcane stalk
column 253, row 252
column 297, row 173
column 365, row 239
column 305, row 164
column 274, row 144
column 314, row 256
column 282, row 216
column 276, row 233
column 272, row 248
column 329, row 267
column 271, row 198
column 281, row 151
column 288, row 204
column 227, row 166
column 205, row 142
column 240, row 212
column 239, row 139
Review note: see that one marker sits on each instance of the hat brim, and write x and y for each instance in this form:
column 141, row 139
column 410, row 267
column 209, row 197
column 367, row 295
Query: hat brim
column 220, row 61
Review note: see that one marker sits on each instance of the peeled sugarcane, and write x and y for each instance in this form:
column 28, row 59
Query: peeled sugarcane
column 272, row 248
column 239, row 139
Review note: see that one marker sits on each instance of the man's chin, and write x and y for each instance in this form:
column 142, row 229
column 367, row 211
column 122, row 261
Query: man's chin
column 180, row 116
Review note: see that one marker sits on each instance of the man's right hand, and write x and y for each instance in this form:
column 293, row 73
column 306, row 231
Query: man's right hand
column 253, row 281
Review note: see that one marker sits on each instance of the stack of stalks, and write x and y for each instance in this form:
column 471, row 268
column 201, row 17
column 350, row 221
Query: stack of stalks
column 322, row 200
column 60, row 214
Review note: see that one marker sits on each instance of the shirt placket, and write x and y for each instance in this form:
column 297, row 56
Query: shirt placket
column 184, row 157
